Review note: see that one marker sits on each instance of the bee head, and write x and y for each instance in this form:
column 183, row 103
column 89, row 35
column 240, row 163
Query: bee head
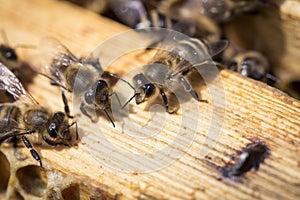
column 8, row 53
column 59, row 127
column 143, row 92
column 98, row 94
column 253, row 67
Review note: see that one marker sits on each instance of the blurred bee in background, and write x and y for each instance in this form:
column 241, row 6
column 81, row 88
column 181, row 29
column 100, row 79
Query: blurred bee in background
column 9, row 57
column 167, row 71
column 92, row 83
column 248, row 158
column 140, row 14
column 26, row 118
column 246, row 24
column 217, row 10
column 251, row 64
column 258, row 29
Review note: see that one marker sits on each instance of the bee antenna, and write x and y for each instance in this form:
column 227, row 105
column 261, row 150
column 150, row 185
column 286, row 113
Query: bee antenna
column 54, row 81
column 273, row 78
column 4, row 37
column 25, row 46
column 32, row 98
column 127, row 102
column 118, row 77
column 107, row 115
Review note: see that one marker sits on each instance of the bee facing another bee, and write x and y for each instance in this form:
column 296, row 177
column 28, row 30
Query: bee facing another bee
column 166, row 72
column 83, row 77
column 26, row 117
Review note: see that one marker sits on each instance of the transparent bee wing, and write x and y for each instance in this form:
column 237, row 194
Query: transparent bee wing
column 198, row 53
column 94, row 62
column 10, row 83
column 54, row 55
column 217, row 47
column 185, row 51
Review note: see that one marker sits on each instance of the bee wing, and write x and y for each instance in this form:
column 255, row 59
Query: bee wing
column 217, row 47
column 198, row 52
column 53, row 55
column 10, row 128
column 10, row 83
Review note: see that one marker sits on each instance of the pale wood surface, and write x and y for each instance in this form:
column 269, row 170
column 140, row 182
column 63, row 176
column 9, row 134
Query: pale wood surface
column 253, row 109
column 291, row 21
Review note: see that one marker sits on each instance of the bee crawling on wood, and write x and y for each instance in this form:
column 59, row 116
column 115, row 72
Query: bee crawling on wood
column 26, row 118
column 248, row 158
column 82, row 77
column 166, row 72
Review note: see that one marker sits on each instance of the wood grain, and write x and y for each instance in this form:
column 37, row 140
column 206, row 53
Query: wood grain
column 253, row 109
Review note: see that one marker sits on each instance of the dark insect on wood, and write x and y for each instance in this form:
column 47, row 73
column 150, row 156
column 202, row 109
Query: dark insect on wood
column 249, row 158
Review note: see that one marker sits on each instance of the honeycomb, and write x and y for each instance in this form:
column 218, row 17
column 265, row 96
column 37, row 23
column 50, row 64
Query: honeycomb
column 20, row 179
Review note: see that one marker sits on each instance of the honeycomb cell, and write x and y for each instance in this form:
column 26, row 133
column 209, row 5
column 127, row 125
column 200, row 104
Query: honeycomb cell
column 4, row 172
column 72, row 192
column 33, row 180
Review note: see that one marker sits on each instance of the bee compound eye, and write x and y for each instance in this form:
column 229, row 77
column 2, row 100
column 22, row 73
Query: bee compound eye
column 11, row 54
column 149, row 89
column 90, row 96
column 52, row 130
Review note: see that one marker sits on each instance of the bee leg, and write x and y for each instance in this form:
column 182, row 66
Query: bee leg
column 67, row 108
column 76, row 128
column 187, row 86
column 84, row 111
column 110, row 119
column 33, row 152
column 18, row 154
column 165, row 100
column 53, row 143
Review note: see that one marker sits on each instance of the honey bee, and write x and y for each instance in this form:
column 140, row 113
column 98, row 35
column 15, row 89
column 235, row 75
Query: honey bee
column 140, row 15
column 251, row 64
column 167, row 70
column 217, row 10
column 248, row 158
column 63, row 69
column 26, row 117
column 10, row 58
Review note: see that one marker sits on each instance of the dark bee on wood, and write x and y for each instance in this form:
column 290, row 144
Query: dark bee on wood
column 251, row 64
column 26, row 118
column 166, row 72
column 81, row 77
column 249, row 158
